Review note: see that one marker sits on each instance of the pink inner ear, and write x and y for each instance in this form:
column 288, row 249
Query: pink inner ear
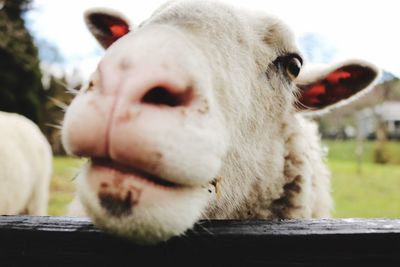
column 108, row 28
column 119, row 30
column 336, row 86
column 334, row 77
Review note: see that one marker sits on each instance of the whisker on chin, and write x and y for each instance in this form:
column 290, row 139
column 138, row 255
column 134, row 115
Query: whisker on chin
column 59, row 103
column 56, row 126
column 199, row 224
column 71, row 90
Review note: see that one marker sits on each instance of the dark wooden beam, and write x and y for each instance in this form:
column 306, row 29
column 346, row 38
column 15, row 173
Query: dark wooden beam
column 62, row 241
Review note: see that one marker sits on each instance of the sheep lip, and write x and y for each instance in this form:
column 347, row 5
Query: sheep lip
column 134, row 172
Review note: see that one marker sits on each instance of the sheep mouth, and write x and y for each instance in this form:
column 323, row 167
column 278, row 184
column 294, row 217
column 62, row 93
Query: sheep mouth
column 132, row 172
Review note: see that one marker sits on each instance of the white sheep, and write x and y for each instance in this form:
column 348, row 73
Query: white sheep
column 197, row 114
column 25, row 166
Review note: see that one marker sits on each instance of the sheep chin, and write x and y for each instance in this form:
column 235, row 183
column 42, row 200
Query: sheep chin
column 148, row 214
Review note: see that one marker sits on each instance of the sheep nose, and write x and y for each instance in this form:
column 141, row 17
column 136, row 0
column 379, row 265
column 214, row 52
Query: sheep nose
column 148, row 85
column 167, row 96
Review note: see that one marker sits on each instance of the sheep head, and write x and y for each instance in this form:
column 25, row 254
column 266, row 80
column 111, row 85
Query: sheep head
column 183, row 115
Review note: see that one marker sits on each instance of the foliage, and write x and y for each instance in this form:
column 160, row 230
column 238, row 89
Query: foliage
column 21, row 90
column 57, row 99
column 381, row 153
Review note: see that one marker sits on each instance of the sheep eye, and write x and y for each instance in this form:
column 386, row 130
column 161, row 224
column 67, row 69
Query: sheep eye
column 293, row 67
column 290, row 65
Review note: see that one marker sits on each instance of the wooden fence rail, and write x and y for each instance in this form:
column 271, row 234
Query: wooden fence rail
column 62, row 241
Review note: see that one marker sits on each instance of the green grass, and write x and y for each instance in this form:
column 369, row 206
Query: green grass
column 345, row 151
column 373, row 191
column 62, row 187
column 366, row 191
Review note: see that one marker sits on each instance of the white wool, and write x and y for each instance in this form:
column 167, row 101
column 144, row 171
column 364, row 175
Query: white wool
column 245, row 154
column 25, row 166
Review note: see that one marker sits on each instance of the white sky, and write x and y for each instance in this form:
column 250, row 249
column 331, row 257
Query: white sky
column 358, row 29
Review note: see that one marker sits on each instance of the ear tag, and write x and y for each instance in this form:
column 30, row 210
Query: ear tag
column 217, row 185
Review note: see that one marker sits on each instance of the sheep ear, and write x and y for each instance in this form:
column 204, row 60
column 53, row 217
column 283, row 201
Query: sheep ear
column 107, row 26
column 328, row 86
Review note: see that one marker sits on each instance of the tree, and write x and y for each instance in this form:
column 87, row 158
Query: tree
column 57, row 99
column 21, row 90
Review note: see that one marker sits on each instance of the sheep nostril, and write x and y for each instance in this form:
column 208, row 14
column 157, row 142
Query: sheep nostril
column 162, row 96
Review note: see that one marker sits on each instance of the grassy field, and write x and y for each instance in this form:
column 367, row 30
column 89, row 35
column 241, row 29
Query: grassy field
column 62, row 185
column 370, row 191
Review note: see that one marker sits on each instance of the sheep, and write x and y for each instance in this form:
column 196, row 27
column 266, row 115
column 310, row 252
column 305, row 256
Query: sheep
column 199, row 113
column 25, row 167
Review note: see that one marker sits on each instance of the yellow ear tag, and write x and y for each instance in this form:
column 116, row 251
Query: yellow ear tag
column 217, row 185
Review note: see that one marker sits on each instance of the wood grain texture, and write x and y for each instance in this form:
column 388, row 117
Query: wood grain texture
column 62, row 241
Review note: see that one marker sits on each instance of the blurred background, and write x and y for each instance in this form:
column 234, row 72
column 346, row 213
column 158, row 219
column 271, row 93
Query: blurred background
column 46, row 49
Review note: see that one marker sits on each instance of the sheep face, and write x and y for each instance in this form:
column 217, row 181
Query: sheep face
column 181, row 115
